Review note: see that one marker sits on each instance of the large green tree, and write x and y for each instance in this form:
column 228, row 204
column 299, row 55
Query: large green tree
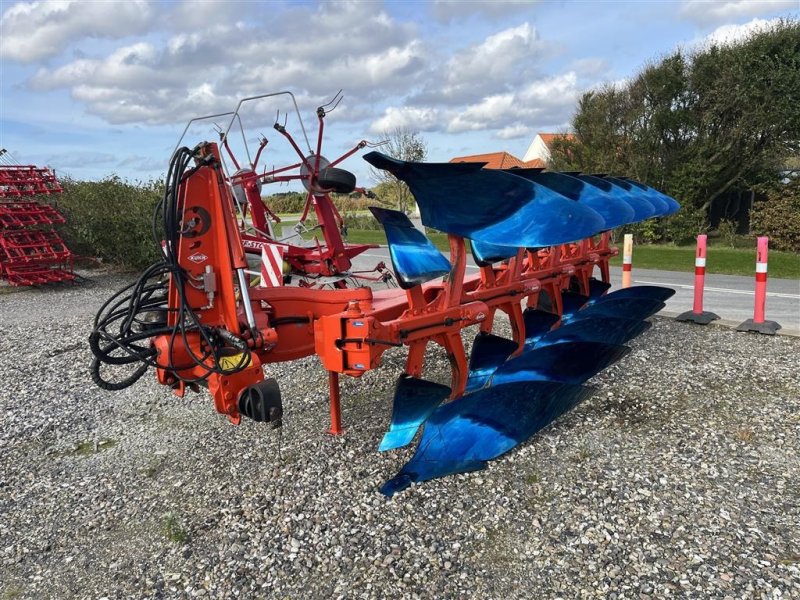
column 698, row 124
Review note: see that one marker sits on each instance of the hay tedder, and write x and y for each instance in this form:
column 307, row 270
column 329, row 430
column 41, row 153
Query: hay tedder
column 538, row 239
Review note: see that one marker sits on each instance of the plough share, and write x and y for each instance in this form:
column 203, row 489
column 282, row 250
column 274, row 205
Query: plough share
column 539, row 240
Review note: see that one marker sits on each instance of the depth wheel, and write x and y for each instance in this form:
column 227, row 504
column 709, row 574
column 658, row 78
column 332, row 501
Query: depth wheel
column 262, row 402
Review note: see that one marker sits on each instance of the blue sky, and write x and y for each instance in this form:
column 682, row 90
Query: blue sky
column 93, row 88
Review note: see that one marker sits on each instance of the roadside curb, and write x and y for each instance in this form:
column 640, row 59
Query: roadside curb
column 725, row 323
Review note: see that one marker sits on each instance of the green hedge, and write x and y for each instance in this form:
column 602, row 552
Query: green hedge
column 111, row 220
column 779, row 217
column 293, row 202
column 680, row 228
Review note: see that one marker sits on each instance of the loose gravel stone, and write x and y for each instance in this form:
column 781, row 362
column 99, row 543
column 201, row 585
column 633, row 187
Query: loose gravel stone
column 679, row 477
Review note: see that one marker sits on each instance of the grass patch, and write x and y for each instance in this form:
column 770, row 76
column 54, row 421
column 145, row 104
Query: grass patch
column 366, row 236
column 583, row 455
column 174, row 529
column 151, row 469
column 721, row 260
column 532, row 478
column 10, row 593
column 87, row 447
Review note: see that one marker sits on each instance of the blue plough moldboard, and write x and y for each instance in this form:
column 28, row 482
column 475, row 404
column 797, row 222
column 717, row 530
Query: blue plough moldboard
column 512, row 398
column 509, row 398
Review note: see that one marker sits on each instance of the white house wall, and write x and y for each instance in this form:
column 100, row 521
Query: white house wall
column 537, row 149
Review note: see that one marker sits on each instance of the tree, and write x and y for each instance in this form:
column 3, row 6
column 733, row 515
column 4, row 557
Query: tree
column 402, row 144
column 696, row 125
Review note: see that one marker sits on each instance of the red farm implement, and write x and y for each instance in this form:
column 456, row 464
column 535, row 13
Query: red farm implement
column 312, row 263
column 538, row 239
column 31, row 252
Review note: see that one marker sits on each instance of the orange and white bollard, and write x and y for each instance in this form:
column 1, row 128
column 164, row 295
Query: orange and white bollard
column 627, row 260
column 697, row 314
column 757, row 323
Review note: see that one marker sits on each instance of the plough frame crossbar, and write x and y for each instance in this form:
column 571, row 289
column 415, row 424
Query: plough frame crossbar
column 352, row 342
column 198, row 318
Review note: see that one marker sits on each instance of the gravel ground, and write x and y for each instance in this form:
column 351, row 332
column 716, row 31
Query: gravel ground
column 679, row 477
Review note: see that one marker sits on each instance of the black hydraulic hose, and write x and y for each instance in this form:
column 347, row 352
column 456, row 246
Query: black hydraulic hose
column 94, row 369
column 121, row 324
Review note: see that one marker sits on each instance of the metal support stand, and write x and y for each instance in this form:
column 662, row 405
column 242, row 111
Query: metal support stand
column 336, row 411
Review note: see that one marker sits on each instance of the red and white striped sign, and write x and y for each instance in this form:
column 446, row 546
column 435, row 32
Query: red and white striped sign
column 272, row 265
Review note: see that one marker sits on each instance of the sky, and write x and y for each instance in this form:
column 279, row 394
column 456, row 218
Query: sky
column 97, row 88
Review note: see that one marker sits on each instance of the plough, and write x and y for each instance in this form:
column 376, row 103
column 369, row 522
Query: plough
column 537, row 237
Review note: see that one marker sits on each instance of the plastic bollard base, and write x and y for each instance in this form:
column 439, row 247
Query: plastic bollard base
column 765, row 327
column 701, row 318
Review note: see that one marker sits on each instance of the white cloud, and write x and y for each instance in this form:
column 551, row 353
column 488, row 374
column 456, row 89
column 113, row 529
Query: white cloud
column 512, row 132
column 703, row 11
column 502, row 57
column 391, row 78
column 197, row 14
column 544, row 103
column 314, row 51
column 590, row 67
column 450, row 10
column 547, row 102
column 729, row 34
column 499, row 63
column 414, row 118
column 552, row 91
column 490, row 111
column 77, row 159
column 32, row 31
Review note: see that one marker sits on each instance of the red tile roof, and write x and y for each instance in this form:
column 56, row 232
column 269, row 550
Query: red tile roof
column 499, row 160
column 548, row 138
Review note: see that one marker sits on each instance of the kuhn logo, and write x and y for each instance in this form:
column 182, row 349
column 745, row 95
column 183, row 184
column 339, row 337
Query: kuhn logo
column 198, row 258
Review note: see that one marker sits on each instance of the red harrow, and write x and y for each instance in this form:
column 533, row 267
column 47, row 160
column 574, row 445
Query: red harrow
column 31, row 252
column 537, row 237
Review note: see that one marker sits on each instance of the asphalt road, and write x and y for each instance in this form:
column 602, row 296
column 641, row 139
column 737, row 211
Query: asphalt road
column 729, row 296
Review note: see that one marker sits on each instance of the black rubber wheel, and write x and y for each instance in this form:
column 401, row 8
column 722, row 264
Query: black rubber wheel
column 336, row 180
column 262, row 402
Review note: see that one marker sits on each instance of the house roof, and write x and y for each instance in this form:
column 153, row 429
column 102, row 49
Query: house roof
column 548, row 138
column 499, row 160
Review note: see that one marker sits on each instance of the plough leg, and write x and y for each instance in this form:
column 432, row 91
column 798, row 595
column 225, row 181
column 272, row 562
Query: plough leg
column 454, row 347
column 336, row 412
column 416, row 354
